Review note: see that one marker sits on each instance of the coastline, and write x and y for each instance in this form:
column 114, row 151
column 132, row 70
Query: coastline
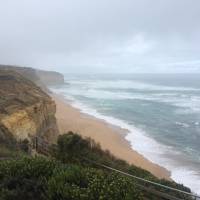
column 110, row 137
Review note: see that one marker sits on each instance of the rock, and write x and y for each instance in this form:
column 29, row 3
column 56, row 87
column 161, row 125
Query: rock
column 25, row 109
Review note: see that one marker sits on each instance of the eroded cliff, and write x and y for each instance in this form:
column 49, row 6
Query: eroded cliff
column 39, row 77
column 50, row 77
column 25, row 109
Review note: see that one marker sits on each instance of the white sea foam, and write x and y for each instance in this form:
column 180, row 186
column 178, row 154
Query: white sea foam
column 184, row 125
column 188, row 176
column 127, row 84
column 147, row 146
column 190, row 103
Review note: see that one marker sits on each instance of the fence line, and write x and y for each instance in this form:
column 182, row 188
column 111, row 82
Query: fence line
column 144, row 180
column 43, row 146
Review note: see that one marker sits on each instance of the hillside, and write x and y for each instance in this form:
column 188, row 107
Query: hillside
column 50, row 77
column 25, row 110
column 71, row 173
column 39, row 77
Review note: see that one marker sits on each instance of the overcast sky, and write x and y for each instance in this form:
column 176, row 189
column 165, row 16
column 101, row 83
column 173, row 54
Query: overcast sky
column 101, row 35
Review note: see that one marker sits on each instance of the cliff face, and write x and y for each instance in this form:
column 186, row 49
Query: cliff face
column 25, row 110
column 50, row 77
column 39, row 77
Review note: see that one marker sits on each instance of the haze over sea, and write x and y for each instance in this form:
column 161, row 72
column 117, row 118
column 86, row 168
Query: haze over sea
column 160, row 111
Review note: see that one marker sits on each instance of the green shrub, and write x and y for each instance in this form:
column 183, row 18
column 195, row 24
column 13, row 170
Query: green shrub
column 25, row 178
column 85, row 183
column 71, row 176
column 72, row 148
column 40, row 178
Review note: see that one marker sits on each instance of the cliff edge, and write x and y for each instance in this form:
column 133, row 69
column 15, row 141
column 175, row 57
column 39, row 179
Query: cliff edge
column 25, row 109
column 39, row 77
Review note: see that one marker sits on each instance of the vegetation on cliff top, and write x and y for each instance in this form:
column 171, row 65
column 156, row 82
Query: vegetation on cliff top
column 67, row 174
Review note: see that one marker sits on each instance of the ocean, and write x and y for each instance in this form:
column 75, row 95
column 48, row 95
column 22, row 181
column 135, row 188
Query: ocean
column 161, row 112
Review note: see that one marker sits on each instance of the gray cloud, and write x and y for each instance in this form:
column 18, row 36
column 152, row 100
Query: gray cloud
column 101, row 35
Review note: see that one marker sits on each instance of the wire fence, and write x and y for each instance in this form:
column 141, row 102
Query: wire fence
column 42, row 146
column 196, row 197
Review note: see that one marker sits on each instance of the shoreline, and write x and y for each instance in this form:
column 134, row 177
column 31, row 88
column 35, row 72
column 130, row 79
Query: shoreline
column 110, row 137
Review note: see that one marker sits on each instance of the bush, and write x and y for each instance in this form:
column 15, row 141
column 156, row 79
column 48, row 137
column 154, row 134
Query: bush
column 41, row 178
column 72, row 148
column 74, row 177
column 25, row 178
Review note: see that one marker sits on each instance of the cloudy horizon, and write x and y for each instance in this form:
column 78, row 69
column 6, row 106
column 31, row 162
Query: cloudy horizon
column 101, row 36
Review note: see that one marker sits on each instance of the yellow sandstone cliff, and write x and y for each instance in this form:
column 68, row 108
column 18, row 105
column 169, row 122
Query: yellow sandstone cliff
column 25, row 109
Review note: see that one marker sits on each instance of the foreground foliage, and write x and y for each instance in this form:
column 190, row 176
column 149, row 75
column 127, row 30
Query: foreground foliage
column 68, row 174
column 40, row 178
column 10, row 147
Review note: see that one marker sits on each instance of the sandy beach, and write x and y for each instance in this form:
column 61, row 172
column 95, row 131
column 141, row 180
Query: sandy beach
column 109, row 137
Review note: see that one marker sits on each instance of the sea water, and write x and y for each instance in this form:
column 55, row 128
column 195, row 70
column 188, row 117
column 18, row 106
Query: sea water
column 161, row 113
